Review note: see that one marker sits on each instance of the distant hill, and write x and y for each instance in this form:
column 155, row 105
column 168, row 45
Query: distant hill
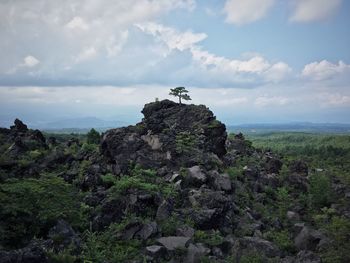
column 290, row 127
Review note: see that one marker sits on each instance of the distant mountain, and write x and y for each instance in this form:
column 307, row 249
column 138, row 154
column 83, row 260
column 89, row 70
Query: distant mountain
column 81, row 123
column 290, row 127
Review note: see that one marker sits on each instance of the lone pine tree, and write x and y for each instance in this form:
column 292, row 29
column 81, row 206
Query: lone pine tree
column 180, row 92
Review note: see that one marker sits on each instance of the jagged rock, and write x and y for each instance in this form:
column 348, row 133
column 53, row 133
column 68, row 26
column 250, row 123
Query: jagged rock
column 185, row 231
column 147, row 231
column 63, row 236
column 299, row 167
column 112, row 210
column 270, row 179
column 308, row 239
column 292, row 216
column 155, row 251
column 33, row 253
column 19, row 126
column 17, row 147
column 260, row 245
column 212, row 209
column 251, row 172
column 195, row 252
column 305, row 256
column 129, row 231
column 298, row 182
column 169, row 135
column 195, row 177
column 142, row 203
column 273, row 165
column 164, row 210
column 248, row 225
column 220, row 182
column 173, row 242
column 52, row 141
column 90, row 181
column 238, row 145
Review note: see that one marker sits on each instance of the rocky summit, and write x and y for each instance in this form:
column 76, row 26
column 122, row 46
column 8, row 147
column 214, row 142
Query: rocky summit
column 172, row 188
column 170, row 136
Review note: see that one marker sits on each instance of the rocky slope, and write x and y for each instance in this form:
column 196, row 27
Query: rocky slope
column 173, row 188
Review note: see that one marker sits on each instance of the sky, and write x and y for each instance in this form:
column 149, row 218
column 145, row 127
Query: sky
column 251, row 61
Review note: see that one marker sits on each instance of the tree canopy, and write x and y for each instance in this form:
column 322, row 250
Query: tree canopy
column 181, row 93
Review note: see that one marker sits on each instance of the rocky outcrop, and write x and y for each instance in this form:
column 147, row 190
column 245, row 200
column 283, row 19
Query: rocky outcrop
column 172, row 188
column 170, row 135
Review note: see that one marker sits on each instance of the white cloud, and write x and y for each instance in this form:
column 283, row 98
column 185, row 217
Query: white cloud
column 114, row 45
column 58, row 31
column 314, row 10
column 271, row 101
column 77, row 23
column 324, row 70
column 240, row 12
column 30, row 61
column 172, row 38
column 217, row 67
column 278, row 72
column 86, row 54
column 334, row 100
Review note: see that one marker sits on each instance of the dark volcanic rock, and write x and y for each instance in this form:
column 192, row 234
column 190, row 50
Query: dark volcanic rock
column 19, row 126
column 173, row 242
column 299, row 167
column 170, row 135
column 33, row 253
column 64, row 236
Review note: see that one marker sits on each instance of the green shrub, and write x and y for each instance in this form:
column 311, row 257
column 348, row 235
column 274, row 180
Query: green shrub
column 338, row 229
column 29, row 207
column 35, row 154
column 137, row 170
column 209, row 238
column 185, row 142
column 93, row 137
column 282, row 239
column 61, row 257
column 283, row 202
column 234, row 172
column 91, row 148
column 124, row 183
column 109, row 179
column 252, row 257
column 169, row 226
column 105, row 247
column 320, row 191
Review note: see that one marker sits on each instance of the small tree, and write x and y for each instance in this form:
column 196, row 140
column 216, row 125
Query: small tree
column 93, row 137
column 180, row 92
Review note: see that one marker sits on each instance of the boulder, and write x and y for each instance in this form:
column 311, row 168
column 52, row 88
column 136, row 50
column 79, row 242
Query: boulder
column 308, row 239
column 195, row 177
column 33, row 253
column 164, row 210
column 195, row 252
column 293, row 216
column 63, row 236
column 220, row 182
column 210, row 209
column 273, row 165
column 147, row 231
column 155, row 251
column 260, row 245
column 299, row 167
column 185, row 231
column 305, row 256
column 173, row 242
